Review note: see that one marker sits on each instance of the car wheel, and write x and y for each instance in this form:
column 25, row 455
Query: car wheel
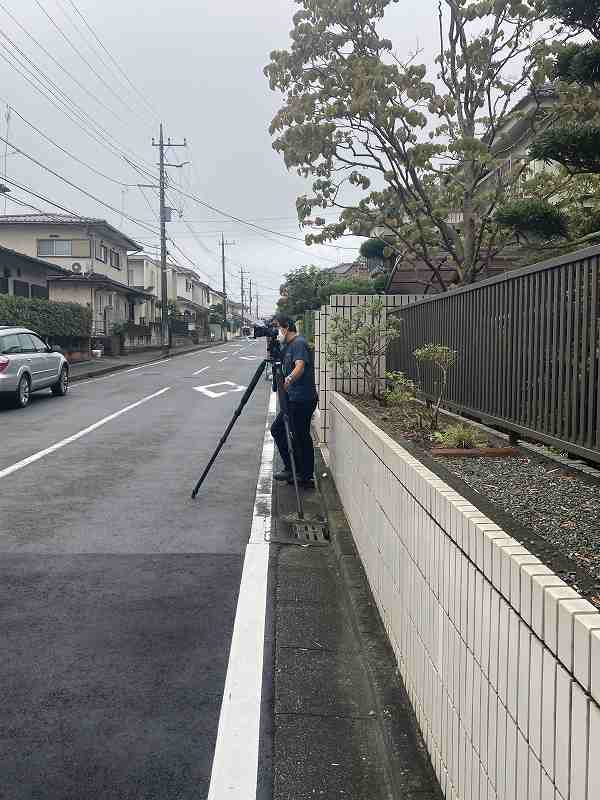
column 23, row 392
column 61, row 387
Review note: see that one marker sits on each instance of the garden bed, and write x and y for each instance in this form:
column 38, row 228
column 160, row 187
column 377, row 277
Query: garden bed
column 553, row 510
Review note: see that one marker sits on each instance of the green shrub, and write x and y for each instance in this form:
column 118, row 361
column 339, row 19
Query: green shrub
column 459, row 435
column 46, row 317
column 401, row 389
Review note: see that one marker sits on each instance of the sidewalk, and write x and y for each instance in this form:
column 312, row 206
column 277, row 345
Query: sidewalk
column 107, row 364
column 343, row 726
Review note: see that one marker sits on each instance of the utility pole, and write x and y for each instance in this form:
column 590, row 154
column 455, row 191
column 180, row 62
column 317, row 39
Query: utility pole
column 163, row 232
column 224, row 244
column 250, row 300
column 242, row 291
column 257, row 307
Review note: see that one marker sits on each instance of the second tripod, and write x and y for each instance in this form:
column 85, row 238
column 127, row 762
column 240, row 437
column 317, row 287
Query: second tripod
column 278, row 384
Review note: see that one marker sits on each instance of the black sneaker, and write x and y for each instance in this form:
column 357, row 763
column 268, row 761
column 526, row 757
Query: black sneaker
column 284, row 475
column 307, row 484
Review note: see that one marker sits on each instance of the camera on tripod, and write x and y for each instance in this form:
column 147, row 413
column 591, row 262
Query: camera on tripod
column 269, row 332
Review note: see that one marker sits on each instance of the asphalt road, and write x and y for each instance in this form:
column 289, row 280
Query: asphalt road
column 117, row 591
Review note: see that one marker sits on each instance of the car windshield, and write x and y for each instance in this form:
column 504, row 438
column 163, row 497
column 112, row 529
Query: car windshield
column 9, row 344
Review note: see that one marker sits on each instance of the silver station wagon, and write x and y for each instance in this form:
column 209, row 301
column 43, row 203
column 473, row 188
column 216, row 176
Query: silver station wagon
column 27, row 365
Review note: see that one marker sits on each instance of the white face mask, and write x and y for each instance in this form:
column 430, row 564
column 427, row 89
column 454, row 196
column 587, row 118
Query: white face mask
column 281, row 336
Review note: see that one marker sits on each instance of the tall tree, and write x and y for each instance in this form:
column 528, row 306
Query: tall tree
column 427, row 155
column 575, row 143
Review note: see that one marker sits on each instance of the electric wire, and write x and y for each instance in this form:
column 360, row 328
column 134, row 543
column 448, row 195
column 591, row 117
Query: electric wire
column 77, row 187
column 113, row 59
column 61, row 66
column 80, row 54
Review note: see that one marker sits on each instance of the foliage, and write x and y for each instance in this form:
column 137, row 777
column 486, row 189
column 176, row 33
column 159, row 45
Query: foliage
column 216, row 316
column 308, row 288
column 576, row 145
column 459, row 435
column 534, row 217
column 301, row 291
column 362, row 340
column 374, row 248
column 416, row 148
column 46, row 317
column 401, row 389
column 443, row 358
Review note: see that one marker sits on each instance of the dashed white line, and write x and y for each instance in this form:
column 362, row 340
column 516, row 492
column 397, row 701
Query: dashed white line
column 235, row 764
column 70, row 439
column 223, row 359
column 201, row 370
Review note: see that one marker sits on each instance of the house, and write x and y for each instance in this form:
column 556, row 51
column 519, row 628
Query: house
column 113, row 303
column 78, row 244
column 25, row 276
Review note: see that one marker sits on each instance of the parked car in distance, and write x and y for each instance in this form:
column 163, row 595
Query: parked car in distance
column 27, row 365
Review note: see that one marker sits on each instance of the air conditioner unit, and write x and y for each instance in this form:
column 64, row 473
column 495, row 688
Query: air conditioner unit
column 76, row 268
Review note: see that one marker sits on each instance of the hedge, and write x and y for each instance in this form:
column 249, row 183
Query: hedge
column 46, row 317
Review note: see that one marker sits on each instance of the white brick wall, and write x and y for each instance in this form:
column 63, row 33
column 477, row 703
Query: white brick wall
column 501, row 659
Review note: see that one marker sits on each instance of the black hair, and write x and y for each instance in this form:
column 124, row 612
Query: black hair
column 286, row 322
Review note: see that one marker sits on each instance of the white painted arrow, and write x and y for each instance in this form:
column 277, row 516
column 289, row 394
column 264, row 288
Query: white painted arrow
column 207, row 390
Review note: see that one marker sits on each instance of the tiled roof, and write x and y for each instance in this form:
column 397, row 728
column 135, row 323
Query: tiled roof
column 100, row 280
column 31, row 260
column 68, row 219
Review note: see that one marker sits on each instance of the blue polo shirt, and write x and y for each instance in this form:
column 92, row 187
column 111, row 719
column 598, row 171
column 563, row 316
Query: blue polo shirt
column 303, row 390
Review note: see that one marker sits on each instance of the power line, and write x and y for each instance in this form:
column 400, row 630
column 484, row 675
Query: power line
column 78, row 188
column 76, row 114
column 57, row 62
column 114, row 61
column 72, row 155
column 80, row 54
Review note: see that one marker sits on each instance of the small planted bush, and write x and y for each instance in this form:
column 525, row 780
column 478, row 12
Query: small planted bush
column 459, row 436
column 400, row 389
column 443, row 358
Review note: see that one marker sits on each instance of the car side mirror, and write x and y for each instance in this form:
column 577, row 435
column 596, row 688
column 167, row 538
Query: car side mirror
column 54, row 349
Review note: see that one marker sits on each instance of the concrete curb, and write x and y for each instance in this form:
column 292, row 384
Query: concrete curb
column 99, row 373
column 408, row 765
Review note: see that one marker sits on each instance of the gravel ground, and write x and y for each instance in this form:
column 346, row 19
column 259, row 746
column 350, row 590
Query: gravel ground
column 561, row 507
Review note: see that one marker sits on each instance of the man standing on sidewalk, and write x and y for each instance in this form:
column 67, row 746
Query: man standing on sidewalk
column 299, row 372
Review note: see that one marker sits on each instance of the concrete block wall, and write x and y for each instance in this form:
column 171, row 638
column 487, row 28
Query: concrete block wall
column 500, row 657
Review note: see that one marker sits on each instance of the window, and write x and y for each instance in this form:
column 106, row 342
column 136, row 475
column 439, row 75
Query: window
column 9, row 344
column 101, row 253
column 39, row 291
column 26, row 343
column 63, row 248
column 115, row 259
column 40, row 347
column 20, row 288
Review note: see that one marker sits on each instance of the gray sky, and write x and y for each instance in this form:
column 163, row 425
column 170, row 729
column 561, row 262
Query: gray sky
column 199, row 64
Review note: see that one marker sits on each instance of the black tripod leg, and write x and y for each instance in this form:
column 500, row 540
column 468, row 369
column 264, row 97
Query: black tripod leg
column 238, row 411
column 284, row 406
column 290, row 444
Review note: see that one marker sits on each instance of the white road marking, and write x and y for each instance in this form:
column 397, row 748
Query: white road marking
column 249, row 358
column 214, row 395
column 70, row 439
column 149, row 364
column 223, row 359
column 215, row 352
column 235, row 764
column 201, row 370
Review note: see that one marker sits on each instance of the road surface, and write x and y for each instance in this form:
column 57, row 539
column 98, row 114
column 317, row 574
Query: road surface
column 118, row 592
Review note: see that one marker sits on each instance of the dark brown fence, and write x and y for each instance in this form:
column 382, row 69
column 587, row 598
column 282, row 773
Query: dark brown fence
column 528, row 351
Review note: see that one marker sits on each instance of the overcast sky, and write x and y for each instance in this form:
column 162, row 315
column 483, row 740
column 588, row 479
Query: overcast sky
column 198, row 64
